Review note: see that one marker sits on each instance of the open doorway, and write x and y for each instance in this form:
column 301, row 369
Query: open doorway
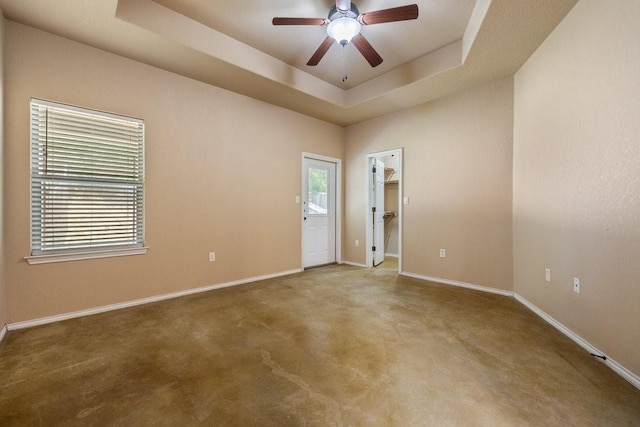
column 384, row 208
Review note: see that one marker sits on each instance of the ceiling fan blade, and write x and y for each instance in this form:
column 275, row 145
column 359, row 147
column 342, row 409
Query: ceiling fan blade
column 402, row 13
column 367, row 50
column 300, row 21
column 317, row 56
column 343, row 5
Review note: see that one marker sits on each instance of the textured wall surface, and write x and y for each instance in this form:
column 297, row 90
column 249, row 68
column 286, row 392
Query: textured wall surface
column 3, row 308
column 458, row 176
column 577, row 176
column 222, row 174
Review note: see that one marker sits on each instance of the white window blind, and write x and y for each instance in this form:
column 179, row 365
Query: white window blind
column 87, row 180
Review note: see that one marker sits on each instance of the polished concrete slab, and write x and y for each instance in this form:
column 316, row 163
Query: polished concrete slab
column 337, row 345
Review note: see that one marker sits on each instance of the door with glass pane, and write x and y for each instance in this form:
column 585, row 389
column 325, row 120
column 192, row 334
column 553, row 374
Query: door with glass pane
column 319, row 212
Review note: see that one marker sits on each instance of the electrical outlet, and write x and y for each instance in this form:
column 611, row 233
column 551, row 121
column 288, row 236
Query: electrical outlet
column 212, row 256
column 547, row 274
column 357, row 243
column 443, row 253
column 576, row 285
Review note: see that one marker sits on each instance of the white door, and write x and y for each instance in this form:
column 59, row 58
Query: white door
column 319, row 212
column 377, row 177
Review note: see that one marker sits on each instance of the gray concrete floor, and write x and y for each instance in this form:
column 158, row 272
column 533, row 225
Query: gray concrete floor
column 337, row 345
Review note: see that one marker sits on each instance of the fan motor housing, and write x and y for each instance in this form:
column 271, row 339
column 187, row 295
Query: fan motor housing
column 334, row 13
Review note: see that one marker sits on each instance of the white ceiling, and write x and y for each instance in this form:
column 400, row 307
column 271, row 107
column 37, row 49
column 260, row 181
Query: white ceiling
column 453, row 45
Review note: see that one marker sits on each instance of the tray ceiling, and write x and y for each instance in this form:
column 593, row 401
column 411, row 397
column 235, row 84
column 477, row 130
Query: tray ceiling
column 453, row 45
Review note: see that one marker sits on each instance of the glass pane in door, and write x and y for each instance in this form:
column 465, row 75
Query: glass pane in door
column 318, row 184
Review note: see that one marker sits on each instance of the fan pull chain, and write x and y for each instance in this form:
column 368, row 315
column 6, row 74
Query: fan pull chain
column 344, row 64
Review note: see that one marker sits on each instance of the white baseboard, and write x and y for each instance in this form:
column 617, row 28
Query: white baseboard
column 118, row 306
column 459, row 284
column 3, row 332
column 391, row 255
column 355, row 264
column 618, row 368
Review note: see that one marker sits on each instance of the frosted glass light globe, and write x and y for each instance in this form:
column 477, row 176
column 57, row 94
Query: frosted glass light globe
column 343, row 30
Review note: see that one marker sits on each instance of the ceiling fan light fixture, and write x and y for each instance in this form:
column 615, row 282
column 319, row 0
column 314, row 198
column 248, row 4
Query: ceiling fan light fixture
column 343, row 30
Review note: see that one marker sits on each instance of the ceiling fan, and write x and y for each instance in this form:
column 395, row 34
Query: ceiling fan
column 344, row 24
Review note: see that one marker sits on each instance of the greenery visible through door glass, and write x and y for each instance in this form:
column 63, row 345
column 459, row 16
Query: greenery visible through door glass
column 318, row 183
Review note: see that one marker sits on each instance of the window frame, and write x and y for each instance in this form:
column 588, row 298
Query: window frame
column 40, row 256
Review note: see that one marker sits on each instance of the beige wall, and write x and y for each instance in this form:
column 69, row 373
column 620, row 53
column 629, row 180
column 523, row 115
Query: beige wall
column 577, row 176
column 222, row 174
column 458, row 175
column 3, row 308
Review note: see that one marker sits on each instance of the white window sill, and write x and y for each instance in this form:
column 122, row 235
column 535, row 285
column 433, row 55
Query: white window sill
column 76, row 256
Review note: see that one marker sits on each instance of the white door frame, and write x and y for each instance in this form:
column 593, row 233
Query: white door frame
column 338, row 163
column 369, row 215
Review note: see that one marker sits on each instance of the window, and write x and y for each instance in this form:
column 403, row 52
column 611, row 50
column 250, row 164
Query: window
column 87, row 183
column 318, row 183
